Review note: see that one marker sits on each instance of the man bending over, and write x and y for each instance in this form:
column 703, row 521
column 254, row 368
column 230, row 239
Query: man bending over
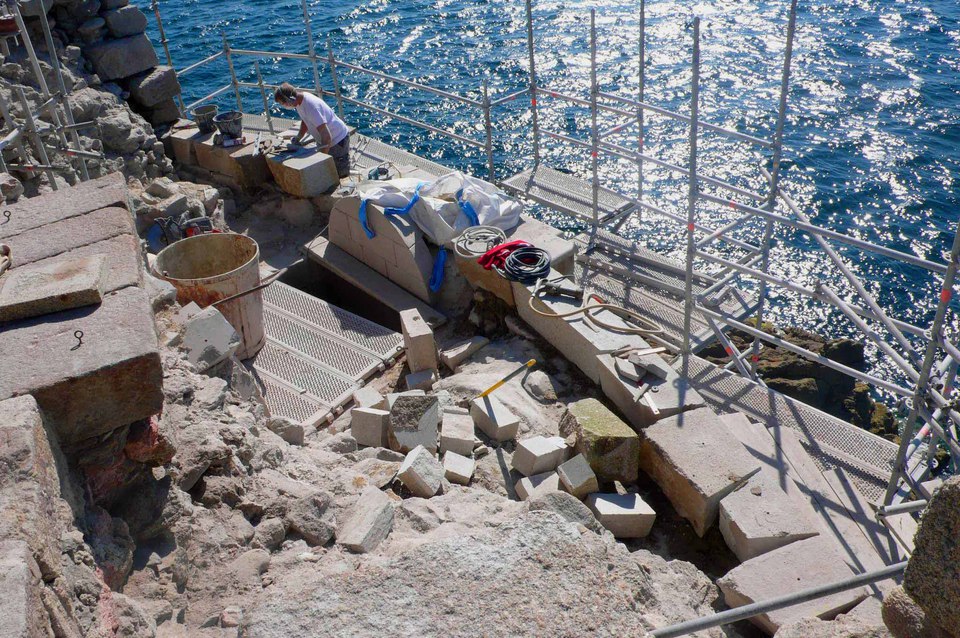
column 318, row 119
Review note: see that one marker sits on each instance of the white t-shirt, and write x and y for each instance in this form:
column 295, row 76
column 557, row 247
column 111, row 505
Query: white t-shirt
column 315, row 112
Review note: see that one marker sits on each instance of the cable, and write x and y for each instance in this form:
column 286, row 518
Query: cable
column 526, row 264
column 648, row 328
column 477, row 240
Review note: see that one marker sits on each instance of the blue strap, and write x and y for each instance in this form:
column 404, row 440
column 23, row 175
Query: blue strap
column 363, row 220
column 468, row 209
column 406, row 209
column 436, row 278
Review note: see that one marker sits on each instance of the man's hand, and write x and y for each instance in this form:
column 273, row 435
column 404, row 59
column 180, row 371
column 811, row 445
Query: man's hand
column 325, row 149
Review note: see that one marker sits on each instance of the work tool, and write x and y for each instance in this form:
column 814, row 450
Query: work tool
column 5, row 259
column 626, row 351
column 529, row 364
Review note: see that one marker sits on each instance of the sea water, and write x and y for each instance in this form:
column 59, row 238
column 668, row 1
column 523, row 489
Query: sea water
column 872, row 128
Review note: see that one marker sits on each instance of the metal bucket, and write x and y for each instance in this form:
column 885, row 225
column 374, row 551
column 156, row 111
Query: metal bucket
column 203, row 116
column 211, row 267
column 230, row 124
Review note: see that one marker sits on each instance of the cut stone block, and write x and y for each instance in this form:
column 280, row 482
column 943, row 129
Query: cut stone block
column 122, row 58
column 244, row 164
column 303, row 172
column 22, row 614
column 414, row 421
column 367, row 397
column 696, row 461
column 673, row 395
column 368, row 522
column 610, row 445
column 32, row 290
column 68, row 234
column 30, row 483
column 422, row 380
column 179, row 144
column 86, row 197
column 113, row 379
column 760, row 517
column 539, row 454
column 209, row 339
column 155, row 87
column 625, row 515
column 577, row 477
column 418, row 341
column 786, row 570
column 494, row 419
column 532, row 486
column 453, row 357
column 124, row 265
column 421, row 473
column 125, row 21
column 369, row 426
column 458, row 469
column 456, row 434
column 386, row 403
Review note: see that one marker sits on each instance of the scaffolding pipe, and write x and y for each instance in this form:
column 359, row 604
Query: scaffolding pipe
column 901, row 508
column 311, row 51
column 233, row 73
column 735, row 357
column 509, row 98
column 780, row 602
column 18, row 141
column 263, row 94
column 335, row 77
column 412, row 122
column 270, row 54
column 55, row 63
column 533, row 85
column 37, row 142
column 216, row 93
column 199, row 64
column 594, row 130
column 412, row 84
column 155, row 5
column 488, row 127
column 641, row 72
column 693, row 189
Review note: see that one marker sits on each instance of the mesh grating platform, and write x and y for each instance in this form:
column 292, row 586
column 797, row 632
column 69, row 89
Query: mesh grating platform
column 366, row 153
column 316, row 354
column 259, row 123
column 865, row 458
column 567, row 194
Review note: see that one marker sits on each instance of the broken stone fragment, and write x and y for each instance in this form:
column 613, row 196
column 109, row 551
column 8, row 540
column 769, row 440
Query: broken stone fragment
column 414, row 421
column 494, row 419
column 286, row 429
column 369, row 426
column 537, row 485
column 418, row 341
column 456, row 434
column 368, row 522
column 458, row 469
column 609, row 445
column 307, row 516
column 422, row 380
column 209, row 339
column 454, row 356
column 625, row 515
column 539, row 454
column 577, row 477
column 421, row 473
column 567, row 506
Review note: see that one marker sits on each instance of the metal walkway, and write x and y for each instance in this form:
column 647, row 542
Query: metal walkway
column 567, row 194
column 650, row 284
column 865, row 458
column 367, row 153
column 316, row 354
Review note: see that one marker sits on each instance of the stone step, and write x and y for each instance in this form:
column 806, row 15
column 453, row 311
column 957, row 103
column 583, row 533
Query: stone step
column 86, row 197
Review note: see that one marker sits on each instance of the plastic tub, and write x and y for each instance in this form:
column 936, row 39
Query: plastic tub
column 204, row 116
column 230, row 124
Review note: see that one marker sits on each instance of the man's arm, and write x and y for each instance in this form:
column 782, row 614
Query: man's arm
column 303, row 131
column 326, row 140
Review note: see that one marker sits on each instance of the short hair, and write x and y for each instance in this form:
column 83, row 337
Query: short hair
column 286, row 93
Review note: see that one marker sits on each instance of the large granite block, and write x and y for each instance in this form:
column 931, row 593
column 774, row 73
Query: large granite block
column 789, row 569
column 62, row 236
column 114, row 378
column 696, row 461
column 155, row 87
column 122, row 58
column 122, row 253
column 609, row 445
column 33, row 212
column 244, row 163
column 32, row 291
column 304, row 172
column 673, row 394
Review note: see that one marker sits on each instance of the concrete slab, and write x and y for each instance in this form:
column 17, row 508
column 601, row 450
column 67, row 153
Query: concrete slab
column 625, row 515
column 532, row 486
column 456, row 434
column 112, row 379
column 493, row 418
column 303, row 172
column 244, row 164
column 673, row 394
column 696, row 461
column 458, row 469
column 420, row 472
column 369, row 426
column 368, row 522
column 31, row 291
column 800, row 565
column 452, row 357
column 539, row 454
column 86, row 197
column 760, row 517
column 609, row 445
column 355, row 272
column 577, row 477
column 418, row 341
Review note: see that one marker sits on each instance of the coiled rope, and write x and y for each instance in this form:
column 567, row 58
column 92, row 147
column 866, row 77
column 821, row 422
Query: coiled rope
column 477, row 240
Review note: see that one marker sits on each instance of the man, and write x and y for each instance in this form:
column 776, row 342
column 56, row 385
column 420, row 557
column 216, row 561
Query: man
column 318, row 119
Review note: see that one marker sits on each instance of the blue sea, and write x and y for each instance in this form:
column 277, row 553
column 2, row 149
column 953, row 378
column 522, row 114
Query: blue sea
column 872, row 141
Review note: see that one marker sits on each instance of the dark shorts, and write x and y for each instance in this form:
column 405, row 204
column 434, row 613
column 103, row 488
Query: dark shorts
column 340, row 152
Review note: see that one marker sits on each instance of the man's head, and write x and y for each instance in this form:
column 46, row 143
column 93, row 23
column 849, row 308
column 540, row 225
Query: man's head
column 287, row 95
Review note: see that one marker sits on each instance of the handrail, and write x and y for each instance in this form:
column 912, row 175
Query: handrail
column 509, row 97
column 197, row 65
column 219, row 91
column 686, row 118
column 410, row 83
column 412, row 122
column 251, row 85
column 271, row 54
